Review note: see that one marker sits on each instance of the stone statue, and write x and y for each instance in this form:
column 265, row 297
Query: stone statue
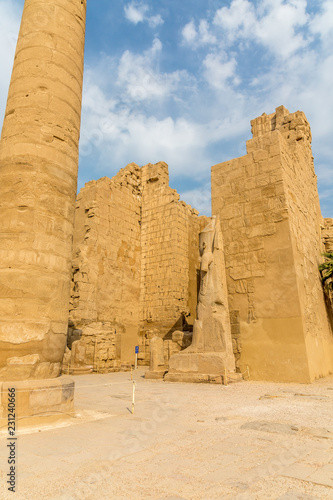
column 208, row 330
column 211, row 350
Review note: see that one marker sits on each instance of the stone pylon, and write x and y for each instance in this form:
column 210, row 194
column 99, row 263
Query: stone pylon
column 38, row 180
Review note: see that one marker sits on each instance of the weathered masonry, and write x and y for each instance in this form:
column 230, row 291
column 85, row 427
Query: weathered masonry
column 38, row 170
column 271, row 222
column 136, row 260
column 135, row 263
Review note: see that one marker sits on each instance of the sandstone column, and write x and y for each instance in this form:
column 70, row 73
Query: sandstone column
column 38, row 179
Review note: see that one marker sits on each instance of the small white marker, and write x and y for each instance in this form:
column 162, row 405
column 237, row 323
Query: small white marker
column 133, row 396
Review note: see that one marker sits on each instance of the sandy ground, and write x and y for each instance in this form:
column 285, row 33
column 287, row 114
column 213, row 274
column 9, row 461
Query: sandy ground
column 250, row 440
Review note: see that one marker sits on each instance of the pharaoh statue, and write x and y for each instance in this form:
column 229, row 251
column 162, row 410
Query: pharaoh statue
column 211, row 349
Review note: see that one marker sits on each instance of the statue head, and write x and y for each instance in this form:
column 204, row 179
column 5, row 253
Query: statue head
column 206, row 237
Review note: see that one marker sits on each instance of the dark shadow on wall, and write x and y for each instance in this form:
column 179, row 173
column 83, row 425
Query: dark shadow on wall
column 329, row 307
column 181, row 324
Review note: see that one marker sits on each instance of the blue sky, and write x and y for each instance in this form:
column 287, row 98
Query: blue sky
column 180, row 82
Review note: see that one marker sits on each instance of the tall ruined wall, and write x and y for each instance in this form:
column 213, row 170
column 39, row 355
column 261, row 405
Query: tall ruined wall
column 327, row 235
column 170, row 258
column 135, row 265
column 106, row 267
column 327, row 240
column 305, row 222
column 270, row 217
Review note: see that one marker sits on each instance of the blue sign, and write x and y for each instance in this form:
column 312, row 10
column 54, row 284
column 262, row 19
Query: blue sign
column 136, row 349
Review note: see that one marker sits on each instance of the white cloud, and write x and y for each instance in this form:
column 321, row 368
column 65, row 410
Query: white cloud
column 135, row 14
column 198, row 37
column 155, row 21
column 141, row 81
column 125, row 128
column 205, row 36
column 123, row 135
column 273, row 24
column 94, row 97
column 237, row 20
column 277, row 28
column 217, row 72
column 167, row 137
column 118, row 133
column 322, row 22
column 199, row 198
column 189, row 33
column 138, row 13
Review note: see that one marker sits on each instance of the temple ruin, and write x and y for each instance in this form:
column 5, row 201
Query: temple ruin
column 136, row 263
column 81, row 286
column 135, row 266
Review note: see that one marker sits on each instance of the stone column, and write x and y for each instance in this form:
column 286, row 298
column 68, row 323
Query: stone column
column 38, row 180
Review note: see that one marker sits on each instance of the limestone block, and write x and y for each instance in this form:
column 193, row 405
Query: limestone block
column 78, row 353
column 39, row 401
column 157, row 367
column 204, row 363
column 194, row 377
column 156, row 354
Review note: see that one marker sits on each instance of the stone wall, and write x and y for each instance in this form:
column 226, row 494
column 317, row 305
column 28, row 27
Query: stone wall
column 327, row 235
column 305, row 222
column 327, row 238
column 170, row 260
column 268, row 204
column 106, row 268
column 135, row 261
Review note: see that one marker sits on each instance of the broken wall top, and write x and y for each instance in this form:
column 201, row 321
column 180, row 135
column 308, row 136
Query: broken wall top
column 292, row 127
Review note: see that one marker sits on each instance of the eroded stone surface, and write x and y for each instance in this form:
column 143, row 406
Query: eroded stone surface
column 268, row 205
column 39, row 401
column 156, row 354
column 38, row 169
column 135, row 266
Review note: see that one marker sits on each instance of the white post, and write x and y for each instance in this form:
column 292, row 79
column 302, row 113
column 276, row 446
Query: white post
column 133, row 396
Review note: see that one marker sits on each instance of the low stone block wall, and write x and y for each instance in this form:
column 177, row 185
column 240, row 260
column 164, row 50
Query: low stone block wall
column 37, row 401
